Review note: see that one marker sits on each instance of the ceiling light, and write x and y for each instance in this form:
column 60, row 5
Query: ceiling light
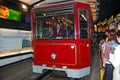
column 24, row 6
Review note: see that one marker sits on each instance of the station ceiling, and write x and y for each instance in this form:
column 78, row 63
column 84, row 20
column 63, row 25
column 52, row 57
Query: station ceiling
column 93, row 4
column 101, row 9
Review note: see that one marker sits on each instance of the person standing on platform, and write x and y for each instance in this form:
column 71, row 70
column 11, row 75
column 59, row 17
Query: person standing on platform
column 109, row 49
column 118, row 25
column 112, row 25
column 116, row 59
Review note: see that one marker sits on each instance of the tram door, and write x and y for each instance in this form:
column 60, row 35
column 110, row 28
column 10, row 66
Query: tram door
column 84, row 36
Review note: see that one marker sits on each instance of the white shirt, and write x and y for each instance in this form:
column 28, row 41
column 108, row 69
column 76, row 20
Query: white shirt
column 116, row 57
column 116, row 63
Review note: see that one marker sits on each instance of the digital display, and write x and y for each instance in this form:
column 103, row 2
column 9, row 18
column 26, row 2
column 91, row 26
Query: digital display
column 10, row 14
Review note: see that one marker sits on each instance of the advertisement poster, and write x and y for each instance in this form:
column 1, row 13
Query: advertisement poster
column 11, row 39
column 10, row 14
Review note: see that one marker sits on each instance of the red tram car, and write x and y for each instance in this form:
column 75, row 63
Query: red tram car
column 61, row 38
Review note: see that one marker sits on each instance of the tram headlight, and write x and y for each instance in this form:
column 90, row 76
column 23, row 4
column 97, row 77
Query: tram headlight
column 44, row 65
column 72, row 47
column 65, row 67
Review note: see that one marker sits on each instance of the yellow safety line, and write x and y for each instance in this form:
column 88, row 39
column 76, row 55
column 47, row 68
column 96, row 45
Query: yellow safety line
column 101, row 70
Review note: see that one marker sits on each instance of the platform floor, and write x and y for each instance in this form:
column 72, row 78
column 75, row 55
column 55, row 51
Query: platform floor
column 95, row 70
column 19, row 71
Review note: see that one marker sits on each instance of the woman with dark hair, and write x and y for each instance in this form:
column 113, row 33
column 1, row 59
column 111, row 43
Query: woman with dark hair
column 109, row 49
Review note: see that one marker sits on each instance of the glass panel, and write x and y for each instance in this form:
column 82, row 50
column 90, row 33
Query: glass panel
column 83, row 23
column 54, row 23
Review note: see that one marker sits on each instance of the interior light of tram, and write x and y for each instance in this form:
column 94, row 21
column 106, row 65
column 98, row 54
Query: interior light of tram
column 84, row 17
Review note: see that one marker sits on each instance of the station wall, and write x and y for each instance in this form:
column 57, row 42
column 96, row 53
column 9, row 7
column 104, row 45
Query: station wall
column 11, row 39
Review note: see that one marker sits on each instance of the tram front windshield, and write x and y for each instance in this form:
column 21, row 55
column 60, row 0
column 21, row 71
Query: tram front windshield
column 54, row 23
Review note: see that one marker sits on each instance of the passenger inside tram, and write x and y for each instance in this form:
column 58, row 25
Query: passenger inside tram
column 57, row 28
column 58, row 32
column 63, row 31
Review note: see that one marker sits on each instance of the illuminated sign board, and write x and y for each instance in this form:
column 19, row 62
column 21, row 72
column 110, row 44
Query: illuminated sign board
column 10, row 14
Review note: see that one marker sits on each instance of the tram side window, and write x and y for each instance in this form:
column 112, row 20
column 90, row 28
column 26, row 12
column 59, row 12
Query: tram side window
column 83, row 23
column 54, row 23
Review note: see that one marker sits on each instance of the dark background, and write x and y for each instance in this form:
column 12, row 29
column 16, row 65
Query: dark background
column 108, row 8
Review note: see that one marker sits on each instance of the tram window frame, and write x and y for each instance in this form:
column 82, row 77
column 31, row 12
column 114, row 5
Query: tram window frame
column 83, row 27
column 41, row 18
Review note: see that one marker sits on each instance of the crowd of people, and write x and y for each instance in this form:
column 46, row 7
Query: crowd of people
column 110, row 52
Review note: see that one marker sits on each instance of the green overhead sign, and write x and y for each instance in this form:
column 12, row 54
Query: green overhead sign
column 9, row 14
